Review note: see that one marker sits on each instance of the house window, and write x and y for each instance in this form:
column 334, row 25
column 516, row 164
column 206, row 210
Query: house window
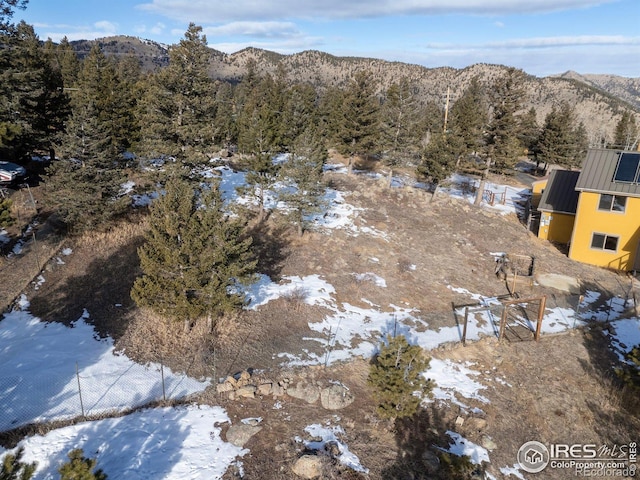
column 612, row 203
column 602, row 241
column 627, row 168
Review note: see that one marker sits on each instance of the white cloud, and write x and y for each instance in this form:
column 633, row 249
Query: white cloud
column 256, row 29
column 215, row 11
column 97, row 30
column 106, row 26
column 156, row 29
column 542, row 42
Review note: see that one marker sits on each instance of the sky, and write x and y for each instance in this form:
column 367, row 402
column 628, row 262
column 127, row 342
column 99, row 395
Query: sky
column 542, row 37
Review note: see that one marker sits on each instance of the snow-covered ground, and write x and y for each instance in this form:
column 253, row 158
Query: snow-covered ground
column 53, row 372
column 163, row 443
column 39, row 380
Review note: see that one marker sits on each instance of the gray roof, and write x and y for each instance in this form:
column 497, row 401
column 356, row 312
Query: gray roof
column 560, row 195
column 597, row 174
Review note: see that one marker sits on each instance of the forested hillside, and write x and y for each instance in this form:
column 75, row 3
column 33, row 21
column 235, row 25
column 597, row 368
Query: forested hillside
column 599, row 99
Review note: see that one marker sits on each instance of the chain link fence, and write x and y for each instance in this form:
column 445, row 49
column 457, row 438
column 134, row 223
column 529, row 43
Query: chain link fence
column 41, row 398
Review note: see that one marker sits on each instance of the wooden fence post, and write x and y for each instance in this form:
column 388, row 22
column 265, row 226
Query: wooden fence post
column 464, row 330
column 503, row 321
column 543, row 304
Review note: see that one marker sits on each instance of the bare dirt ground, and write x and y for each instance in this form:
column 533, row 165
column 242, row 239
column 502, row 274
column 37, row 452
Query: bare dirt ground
column 560, row 389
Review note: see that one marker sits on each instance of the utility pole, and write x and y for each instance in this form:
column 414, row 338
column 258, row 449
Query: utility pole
column 446, row 111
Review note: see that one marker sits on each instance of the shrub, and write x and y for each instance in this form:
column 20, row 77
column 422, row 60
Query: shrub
column 5, row 213
column 396, row 376
column 13, row 468
column 80, row 468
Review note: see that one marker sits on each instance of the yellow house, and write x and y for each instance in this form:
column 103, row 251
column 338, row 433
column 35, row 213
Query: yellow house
column 557, row 206
column 606, row 231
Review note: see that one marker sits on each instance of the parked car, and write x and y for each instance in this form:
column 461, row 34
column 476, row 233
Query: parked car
column 11, row 173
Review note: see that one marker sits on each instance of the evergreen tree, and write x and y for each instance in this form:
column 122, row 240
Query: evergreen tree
column 193, row 256
column 468, row 119
column 10, row 126
column 80, row 468
column 5, row 213
column 438, row 159
column 303, row 172
column 179, row 106
column 506, row 97
column 44, row 106
column 259, row 119
column 300, row 112
column 627, row 133
column 400, row 114
column 529, row 131
column 13, row 468
column 225, row 132
column 86, row 187
column 563, row 141
column 358, row 118
column 261, row 175
column 7, row 9
column 67, row 63
column 397, row 378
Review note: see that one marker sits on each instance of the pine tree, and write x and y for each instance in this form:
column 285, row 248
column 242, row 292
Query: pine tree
column 258, row 119
column 529, row 131
column 468, row 119
column 303, row 172
column 400, row 119
column 179, row 105
column 44, row 106
column 7, row 9
column 438, row 159
column 80, row 468
column 13, row 468
column 193, row 256
column 67, row 62
column 627, row 133
column 357, row 118
column 397, row 378
column 300, row 112
column 563, row 141
column 5, row 213
column 261, row 175
column 502, row 133
column 86, row 187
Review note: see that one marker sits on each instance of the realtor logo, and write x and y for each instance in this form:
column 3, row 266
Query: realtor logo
column 533, row 457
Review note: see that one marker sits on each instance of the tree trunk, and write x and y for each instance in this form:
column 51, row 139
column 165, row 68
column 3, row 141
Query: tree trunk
column 433, row 194
column 480, row 192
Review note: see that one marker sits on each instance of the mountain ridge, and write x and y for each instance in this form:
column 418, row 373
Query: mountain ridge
column 599, row 99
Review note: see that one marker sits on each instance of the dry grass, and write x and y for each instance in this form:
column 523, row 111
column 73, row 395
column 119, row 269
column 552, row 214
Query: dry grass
column 150, row 338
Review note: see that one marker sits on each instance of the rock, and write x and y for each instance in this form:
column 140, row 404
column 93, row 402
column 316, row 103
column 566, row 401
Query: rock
column 277, row 390
column 248, row 391
column 265, row 388
column 308, row 466
column 240, row 434
column 304, row 391
column 488, row 443
column 224, row 387
column 459, row 421
column 475, row 423
column 335, row 397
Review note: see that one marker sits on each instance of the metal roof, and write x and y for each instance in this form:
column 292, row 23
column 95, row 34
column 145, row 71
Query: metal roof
column 560, row 195
column 598, row 171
